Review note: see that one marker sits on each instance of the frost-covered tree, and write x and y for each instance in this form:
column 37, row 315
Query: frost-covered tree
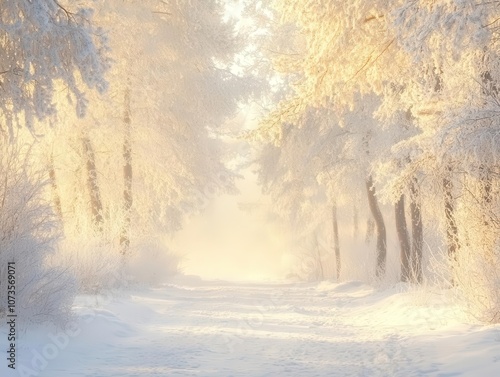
column 433, row 66
column 321, row 68
column 50, row 54
column 28, row 235
column 45, row 46
column 458, row 119
column 313, row 88
column 157, row 136
column 317, row 165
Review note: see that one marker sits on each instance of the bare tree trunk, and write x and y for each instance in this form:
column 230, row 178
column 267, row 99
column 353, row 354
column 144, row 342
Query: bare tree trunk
column 127, row 177
column 319, row 260
column 93, row 185
column 355, row 220
column 489, row 233
column 451, row 225
column 485, row 177
column 404, row 242
column 370, row 229
column 336, row 244
column 55, row 190
column 379, row 223
column 417, row 233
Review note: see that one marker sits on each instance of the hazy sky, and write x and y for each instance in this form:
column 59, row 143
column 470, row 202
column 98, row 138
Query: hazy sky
column 226, row 242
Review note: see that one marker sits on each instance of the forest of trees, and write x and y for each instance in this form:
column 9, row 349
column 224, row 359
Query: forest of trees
column 397, row 100
column 377, row 118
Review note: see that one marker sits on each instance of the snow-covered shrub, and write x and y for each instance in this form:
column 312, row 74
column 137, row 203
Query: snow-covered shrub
column 478, row 284
column 152, row 263
column 476, row 270
column 99, row 267
column 95, row 264
column 28, row 233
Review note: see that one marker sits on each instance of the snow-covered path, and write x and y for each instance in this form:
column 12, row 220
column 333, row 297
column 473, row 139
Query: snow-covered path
column 226, row 329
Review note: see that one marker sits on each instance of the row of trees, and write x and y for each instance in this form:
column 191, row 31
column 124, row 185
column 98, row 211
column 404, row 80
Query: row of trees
column 399, row 100
column 147, row 151
column 152, row 87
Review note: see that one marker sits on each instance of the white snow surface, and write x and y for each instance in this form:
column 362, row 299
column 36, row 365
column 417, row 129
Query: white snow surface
column 219, row 329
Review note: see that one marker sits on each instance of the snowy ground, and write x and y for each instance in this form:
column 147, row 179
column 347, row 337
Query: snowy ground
column 223, row 329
